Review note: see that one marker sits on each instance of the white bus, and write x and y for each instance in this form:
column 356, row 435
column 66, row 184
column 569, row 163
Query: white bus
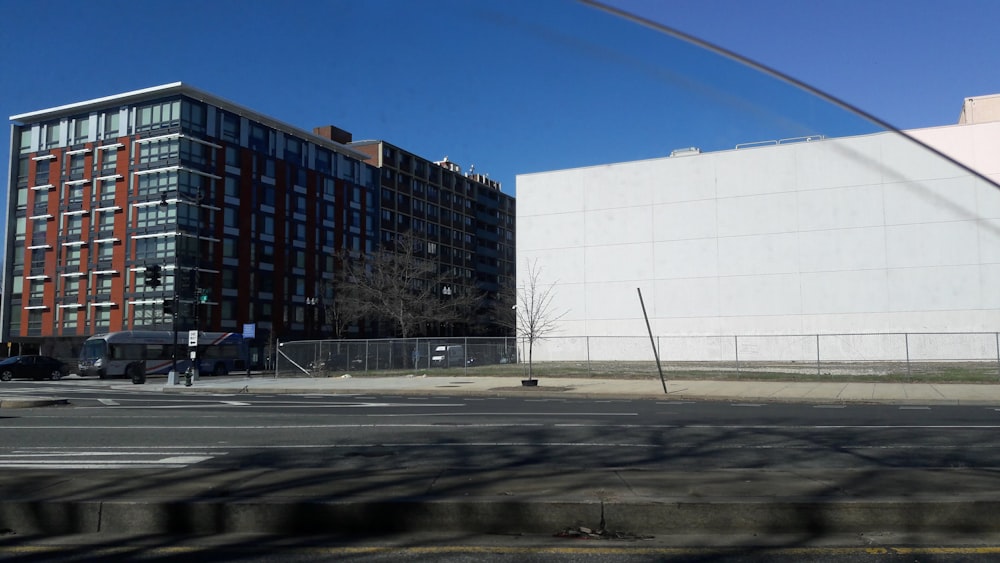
column 137, row 353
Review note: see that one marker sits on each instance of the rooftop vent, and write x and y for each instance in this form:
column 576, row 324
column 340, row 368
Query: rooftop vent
column 687, row 151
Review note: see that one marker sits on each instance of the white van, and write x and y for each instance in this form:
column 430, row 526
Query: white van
column 448, row 356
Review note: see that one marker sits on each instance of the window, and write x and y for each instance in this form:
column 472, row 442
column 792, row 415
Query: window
column 107, row 191
column 36, row 289
column 42, row 172
column 74, row 193
column 102, row 317
column 109, row 160
column 157, row 248
column 229, row 248
column 193, row 152
column 232, row 186
column 71, row 256
column 106, row 221
column 76, row 162
column 258, row 138
column 158, row 115
column 161, row 151
column 230, row 127
column 25, row 140
column 149, row 216
column 51, row 135
column 232, row 155
column 73, row 225
column 323, row 161
column 103, row 284
column 111, row 125
column 105, row 251
column 152, row 185
column 34, row 322
column 268, row 196
column 70, row 316
column 230, row 218
column 81, row 130
column 193, row 116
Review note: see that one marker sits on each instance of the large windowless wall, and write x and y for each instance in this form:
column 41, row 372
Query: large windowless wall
column 862, row 234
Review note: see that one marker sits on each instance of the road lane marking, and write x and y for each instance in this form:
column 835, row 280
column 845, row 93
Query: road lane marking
column 105, row 458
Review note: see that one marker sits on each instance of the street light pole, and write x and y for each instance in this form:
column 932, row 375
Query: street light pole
column 193, row 369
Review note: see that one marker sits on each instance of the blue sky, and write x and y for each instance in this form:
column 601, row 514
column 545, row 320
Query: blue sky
column 516, row 86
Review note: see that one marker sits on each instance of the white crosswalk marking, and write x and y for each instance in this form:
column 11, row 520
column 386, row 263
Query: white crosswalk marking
column 123, row 458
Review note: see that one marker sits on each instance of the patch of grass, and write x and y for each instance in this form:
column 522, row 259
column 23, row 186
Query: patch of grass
column 878, row 372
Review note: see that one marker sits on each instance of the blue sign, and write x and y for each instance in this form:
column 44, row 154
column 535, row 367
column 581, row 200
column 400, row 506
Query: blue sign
column 249, row 330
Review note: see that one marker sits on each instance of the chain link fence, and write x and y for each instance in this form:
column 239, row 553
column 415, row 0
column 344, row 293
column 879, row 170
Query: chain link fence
column 968, row 356
column 326, row 357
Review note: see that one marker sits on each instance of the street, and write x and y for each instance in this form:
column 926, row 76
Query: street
column 116, row 426
column 500, row 449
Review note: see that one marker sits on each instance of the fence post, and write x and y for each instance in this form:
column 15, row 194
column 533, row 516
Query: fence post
column 589, row 367
column 817, row 357
column 736, row 350
column 367, row 341
column 277, row 347
column 906, row 339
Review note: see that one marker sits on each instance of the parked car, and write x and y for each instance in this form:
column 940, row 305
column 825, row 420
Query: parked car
column 450, row 356
column 31, row 367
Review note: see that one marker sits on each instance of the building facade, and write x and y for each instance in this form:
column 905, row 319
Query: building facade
column 872, row 234
column 170, row 208
column 467, row 221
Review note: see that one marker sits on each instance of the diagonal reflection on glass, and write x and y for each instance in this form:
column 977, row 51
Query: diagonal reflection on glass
column 740, row 201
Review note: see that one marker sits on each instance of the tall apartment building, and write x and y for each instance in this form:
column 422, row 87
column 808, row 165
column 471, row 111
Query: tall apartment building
column 239, row 216
column 465, row 217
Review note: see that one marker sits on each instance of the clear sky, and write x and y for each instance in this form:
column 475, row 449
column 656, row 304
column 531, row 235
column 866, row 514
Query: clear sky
column 517, row 86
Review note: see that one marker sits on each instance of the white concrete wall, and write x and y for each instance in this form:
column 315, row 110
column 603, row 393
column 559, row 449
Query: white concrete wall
column 869, row 234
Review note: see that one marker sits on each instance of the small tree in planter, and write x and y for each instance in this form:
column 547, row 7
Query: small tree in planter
column 533, row 312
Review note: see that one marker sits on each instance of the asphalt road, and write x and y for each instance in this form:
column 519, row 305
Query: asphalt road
column 115, row 428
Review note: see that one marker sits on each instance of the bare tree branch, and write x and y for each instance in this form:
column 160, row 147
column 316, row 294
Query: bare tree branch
column 533, row 310
column 404, row 287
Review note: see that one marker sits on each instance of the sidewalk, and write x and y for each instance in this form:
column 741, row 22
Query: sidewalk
column 728, row 390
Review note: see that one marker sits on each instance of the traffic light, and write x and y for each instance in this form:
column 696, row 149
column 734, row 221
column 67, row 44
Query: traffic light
column 203, row 296
column 168, row 307
column 153, row 276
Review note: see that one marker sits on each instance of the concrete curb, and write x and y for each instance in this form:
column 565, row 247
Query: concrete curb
column 570, row 393
column 491, row 516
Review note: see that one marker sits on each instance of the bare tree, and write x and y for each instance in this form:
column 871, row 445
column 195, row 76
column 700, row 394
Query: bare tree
column 344, row 307
column 533, row 309
column 400, row 284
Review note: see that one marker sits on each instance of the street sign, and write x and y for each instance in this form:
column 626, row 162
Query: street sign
column 192, row 339
column 249, row 330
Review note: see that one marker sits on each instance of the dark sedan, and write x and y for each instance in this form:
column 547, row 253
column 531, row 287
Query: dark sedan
column 31, row 367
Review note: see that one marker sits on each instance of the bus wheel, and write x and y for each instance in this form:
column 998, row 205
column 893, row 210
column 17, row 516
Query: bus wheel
column 137, row 373
column 220, row 369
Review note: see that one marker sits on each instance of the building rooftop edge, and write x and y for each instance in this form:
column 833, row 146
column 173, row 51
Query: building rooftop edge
column 192, row 92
